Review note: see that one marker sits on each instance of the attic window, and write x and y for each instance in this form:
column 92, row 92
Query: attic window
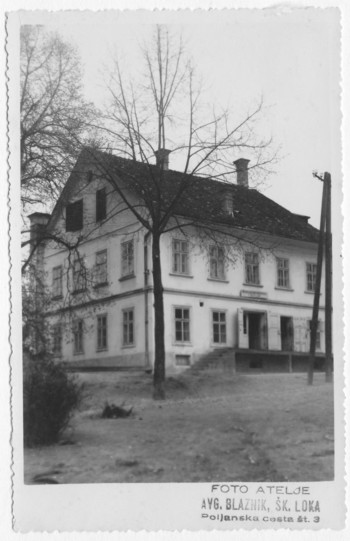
column 101, row 204
column 74, row 216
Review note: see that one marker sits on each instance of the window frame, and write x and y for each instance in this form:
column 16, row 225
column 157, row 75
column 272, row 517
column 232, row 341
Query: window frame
column 180, row 257
column 220, row 324
column 101, row 277
column 102, row 332
column 57, row 279
column 74, row 219
column 126, row 323
column 283, row 272
column 250, row 267
column 127, row 268
column 217, row 260
column 78, row 332
column 57, row 337
column 312, row 274
column 101, row 205
column 182, row 320
column 79, row 276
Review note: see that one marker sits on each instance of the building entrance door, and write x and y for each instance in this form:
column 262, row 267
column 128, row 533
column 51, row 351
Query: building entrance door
column 257, row 330
column 287, row 334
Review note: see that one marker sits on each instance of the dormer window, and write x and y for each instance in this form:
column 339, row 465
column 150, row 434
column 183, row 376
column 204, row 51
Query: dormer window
column 74, row 216
column 101, row 204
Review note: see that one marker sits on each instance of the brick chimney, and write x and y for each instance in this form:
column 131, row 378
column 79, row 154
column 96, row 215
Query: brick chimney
column 242, row 172
column 38, row 222
column 162, row 158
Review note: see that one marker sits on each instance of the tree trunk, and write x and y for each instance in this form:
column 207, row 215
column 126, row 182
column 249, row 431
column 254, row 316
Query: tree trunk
column 159, row 362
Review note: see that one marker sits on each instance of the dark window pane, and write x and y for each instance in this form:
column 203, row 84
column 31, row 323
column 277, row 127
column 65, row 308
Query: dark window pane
column 101, row 207
column 74, row 216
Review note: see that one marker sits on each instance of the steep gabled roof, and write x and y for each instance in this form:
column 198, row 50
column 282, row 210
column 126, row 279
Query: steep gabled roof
column 202, row 198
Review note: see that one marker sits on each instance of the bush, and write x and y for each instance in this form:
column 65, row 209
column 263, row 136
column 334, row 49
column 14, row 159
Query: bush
column 50, row 396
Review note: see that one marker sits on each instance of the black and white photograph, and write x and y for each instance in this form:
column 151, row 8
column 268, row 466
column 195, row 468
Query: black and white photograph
column 176, row 239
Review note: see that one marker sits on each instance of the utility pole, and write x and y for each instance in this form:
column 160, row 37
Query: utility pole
column 314, row 321
column 328, row 285
column 325, row 241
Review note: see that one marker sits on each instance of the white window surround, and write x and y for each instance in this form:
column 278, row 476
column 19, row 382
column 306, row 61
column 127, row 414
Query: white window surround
column 252, row 269
column 311, row 271
column 218, row 326
column 57, row 277
column 101, row 268
column 182, row 326
column 78, row 337
column 102, row 332
column 128, row 327
column 180, row 257
column 79, row 274
column 283, row 273
column 57, row 339
column 217, row 263
column 127, row 258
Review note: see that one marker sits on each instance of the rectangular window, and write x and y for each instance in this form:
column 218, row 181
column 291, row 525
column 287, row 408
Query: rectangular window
column 101, row 267
column 74, row 216
column 102, row 332
column 128, row 258
column 182, row 360
column 318, row 334
column 252, row 268
column 57, row 281
column 217, row 263
column 282, row 272
column 128, row 327
column 57, row 339
column 311, row 270
column 182, row 324
column 180, row 257
column 78, row 336
column 219, row 327
column 79, row 275
column 101, row 205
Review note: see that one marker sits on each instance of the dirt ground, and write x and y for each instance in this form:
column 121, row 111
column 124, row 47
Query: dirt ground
column 214, row 426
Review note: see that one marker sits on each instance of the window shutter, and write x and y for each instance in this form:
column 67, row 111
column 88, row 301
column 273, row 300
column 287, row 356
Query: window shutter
column 301, row 334
column 274, row 331
column 243, row 341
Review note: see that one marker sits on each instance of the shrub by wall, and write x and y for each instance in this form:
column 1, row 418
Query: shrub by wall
column 50, row 396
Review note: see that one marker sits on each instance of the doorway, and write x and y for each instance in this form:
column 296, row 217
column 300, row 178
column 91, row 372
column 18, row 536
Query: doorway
column 287, row 333
column 257, row 330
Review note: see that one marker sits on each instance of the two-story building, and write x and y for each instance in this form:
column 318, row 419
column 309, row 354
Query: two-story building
column 246, row 286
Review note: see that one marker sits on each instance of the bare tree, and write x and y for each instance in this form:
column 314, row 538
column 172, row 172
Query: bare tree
column 54, row 116
column 145, row 118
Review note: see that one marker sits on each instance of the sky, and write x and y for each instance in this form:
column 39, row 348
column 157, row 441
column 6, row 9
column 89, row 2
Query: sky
column 289, row 56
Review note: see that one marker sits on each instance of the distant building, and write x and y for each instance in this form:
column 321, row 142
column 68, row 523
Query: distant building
column 252, row 298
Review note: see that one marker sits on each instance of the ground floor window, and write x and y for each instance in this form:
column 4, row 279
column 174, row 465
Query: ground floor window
column 182, row 360
column 102, row 332
column 219, row 327
column 128, row 327
column 57, row 339
column 182, row 324
column 78, row 336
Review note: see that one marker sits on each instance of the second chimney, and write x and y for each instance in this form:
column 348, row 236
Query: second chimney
column 162, row 158
column 242, row 172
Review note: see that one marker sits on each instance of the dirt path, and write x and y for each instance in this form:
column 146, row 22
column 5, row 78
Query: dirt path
column 213, row 427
